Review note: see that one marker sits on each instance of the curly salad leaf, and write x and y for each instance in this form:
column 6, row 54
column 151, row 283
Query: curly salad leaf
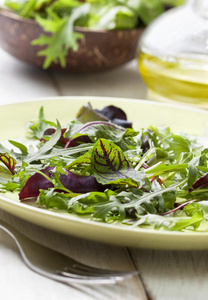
column 58, row 18
column 151, row 177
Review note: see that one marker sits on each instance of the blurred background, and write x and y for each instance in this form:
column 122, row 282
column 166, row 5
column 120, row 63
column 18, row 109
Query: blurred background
column 143, row 49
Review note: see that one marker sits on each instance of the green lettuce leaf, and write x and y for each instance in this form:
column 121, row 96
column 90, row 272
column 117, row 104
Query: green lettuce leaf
column 110, row 165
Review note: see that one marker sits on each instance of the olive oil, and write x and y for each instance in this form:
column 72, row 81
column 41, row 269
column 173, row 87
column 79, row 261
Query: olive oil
column 176, row 79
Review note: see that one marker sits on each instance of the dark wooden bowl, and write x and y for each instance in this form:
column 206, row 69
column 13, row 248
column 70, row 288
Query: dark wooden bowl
column 98, row 50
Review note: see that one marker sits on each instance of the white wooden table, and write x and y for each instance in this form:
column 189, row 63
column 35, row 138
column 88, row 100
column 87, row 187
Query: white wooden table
column 166, row 275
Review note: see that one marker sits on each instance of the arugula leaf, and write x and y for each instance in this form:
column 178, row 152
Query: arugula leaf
column 171, row 223
column 99, row 129
column 9, row 186
column 20, row 146
column 51, row 199
column 73, row 203
column 38, row 126
column 176, row 145
column 81, row 164
column 196, row 216
column 46, row 147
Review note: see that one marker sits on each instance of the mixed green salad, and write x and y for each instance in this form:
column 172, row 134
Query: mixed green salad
column 99, row 167
column 58, row 17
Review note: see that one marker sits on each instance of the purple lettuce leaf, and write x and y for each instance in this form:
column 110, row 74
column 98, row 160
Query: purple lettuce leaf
column 201, row 182
column 122, row 123
column 76, row 141
column 111, row 112
column 74, row 183
column 68, row 142
column 50, row 131
column 116, row 115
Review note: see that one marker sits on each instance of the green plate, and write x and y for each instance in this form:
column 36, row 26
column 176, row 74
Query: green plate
column 13, row 120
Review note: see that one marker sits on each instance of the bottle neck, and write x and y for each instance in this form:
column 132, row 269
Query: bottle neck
column 200, row 7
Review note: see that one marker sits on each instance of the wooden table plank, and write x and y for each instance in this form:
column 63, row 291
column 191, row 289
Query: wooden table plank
column 97, row 254
column 122, row 82
column 21, row 82
column 171, row 275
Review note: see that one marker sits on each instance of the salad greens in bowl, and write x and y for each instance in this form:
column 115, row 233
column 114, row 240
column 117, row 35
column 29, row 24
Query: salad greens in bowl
column 79, row 36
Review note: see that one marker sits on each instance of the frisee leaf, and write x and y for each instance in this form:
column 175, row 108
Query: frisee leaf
column 63, row 38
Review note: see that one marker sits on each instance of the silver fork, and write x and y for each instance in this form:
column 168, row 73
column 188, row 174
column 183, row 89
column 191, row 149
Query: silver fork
column 59, row 267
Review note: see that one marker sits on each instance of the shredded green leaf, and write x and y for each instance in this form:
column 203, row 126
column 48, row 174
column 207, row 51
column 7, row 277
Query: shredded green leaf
column 152, row 177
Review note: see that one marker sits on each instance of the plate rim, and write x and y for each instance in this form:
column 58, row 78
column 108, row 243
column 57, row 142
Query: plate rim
column 115, row 227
